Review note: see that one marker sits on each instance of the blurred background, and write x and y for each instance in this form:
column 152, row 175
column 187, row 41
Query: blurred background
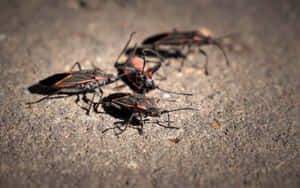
column 245, row 133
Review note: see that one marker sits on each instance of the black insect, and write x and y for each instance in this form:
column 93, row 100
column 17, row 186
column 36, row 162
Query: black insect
column 73, row 83
column 165, row 53
column 133, row 108
column 136, row 74
column 184, row 39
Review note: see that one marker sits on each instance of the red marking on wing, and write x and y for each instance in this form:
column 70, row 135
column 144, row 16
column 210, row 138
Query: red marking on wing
column 186, row 40
column 98, row 70
column 137, row 63
column 163, row 38
column 99, row 78
column 141, row 107
column 134, row 83
column 148, row 102
column 197, row 38
column 116, row 99
column 58, row 83
column 77, row 83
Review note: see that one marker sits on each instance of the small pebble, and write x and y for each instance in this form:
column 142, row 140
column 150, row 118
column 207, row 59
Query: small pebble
column 215, row 125
column 2, row 37
column 99, row 59
column 166, row 95
column 132, row 165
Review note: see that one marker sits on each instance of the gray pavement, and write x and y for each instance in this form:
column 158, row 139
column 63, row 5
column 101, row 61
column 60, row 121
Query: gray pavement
column 245, row 133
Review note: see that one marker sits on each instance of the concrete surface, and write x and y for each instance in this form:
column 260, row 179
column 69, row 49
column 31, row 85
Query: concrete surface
column 245, row 134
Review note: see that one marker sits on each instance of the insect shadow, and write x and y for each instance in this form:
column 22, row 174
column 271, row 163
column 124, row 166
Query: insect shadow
column 133, row 109
column 73, row 83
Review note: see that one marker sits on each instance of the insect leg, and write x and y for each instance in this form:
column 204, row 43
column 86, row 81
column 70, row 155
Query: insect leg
column 100, row 99
column 77, row 98
column 90, row 105
column 206, row 61
column 47, row 97
column 124, row 49
column 184, row 57
column 140, row 130
column 222, row 50
column 126, row 123
column 78, row 65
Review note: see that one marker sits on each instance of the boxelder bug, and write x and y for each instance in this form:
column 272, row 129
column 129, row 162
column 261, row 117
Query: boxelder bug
column 182, row 39
column 132, row 108
column 73, row 83
column 136, row 74
column 165, row 53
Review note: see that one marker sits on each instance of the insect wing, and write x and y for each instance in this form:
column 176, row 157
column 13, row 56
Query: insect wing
column 115, row 106
column 127, row 102
column 175, row 38
column 55, row 79
column 75, row 79
column 180, row 38
column 155, row 39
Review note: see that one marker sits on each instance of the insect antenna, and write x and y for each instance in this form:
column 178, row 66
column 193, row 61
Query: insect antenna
column 125, row 47
column 178, row 109
column 227, row 36
column 172, row 92
column 217, row 42
column 218, row 45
